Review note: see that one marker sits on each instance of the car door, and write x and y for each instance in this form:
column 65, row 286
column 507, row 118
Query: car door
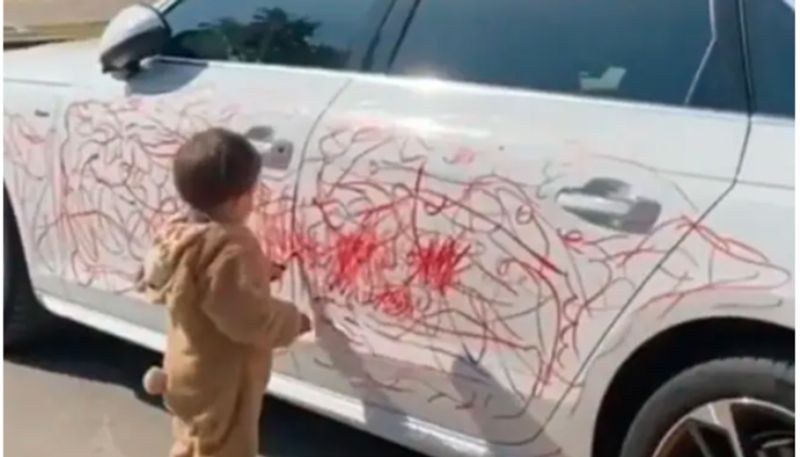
column 478, row 212
column 264, row 68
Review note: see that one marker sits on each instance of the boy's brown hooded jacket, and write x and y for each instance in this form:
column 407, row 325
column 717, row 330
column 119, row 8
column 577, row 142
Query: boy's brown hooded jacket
column 223, row 326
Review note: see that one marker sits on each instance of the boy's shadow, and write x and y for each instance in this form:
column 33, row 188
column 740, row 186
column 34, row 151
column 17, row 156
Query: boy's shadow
column 523, row 433
column 518, row 436
column 380, row 412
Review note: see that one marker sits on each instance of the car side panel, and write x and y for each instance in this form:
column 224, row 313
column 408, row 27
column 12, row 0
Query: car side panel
column 30, row 117
column 471, row 347
column 770, row 153
column 744, row 269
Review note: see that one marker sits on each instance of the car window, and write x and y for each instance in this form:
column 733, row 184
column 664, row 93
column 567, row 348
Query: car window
column 309, row 33
column 770, row 39
column 679, row 52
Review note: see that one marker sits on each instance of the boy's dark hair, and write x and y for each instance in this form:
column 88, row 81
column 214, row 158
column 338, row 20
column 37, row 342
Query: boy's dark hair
column 215, row 166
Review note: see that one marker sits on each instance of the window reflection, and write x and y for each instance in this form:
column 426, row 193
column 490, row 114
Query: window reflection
column 298, row 32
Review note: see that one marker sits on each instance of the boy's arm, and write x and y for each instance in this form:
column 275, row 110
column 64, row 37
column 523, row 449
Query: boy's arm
column 239, row 300
column 287, row 312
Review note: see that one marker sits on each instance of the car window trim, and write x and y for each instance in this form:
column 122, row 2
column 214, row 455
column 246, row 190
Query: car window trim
column 744, row 46
column 744, row 32
column 771, row 119
column 163, row 6
column 215, row 64
column 365, row 44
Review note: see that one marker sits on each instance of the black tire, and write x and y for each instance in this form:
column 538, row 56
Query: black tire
column 23, row 317
column 765, row 379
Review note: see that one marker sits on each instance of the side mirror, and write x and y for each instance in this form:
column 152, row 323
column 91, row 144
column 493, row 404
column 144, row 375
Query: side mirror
column 135, row 33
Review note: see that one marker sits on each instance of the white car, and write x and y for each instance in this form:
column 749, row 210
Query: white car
column 538, row 228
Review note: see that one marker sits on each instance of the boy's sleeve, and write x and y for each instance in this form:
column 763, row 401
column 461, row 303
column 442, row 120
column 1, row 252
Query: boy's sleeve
column 239, row 302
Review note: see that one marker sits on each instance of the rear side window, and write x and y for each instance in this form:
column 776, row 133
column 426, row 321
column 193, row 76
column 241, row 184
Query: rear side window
column 770, row 39
column 308, row 33
column 677, row 52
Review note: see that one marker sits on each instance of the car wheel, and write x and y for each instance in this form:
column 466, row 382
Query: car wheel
column 23, row 317
column 738, row 407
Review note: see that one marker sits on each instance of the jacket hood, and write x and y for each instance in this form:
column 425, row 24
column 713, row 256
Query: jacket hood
column 169, row 253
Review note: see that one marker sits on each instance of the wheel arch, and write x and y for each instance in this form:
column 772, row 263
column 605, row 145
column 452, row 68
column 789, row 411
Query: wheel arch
column 687, row 343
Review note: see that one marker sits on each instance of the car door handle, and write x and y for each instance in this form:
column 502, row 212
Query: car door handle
column 276, row 154
column 608, row 203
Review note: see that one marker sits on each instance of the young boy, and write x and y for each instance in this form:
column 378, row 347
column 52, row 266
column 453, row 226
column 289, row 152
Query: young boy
column 209, row 270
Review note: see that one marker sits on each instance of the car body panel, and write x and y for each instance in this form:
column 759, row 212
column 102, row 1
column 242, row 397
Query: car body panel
column 62, row 63
column 747, row 272
column 753, row 282
column 770, row 153
column 31, row 154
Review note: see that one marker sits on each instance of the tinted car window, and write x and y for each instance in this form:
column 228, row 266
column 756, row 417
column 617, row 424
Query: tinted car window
column 291, row 32
column 681, row 52
column 770, row 37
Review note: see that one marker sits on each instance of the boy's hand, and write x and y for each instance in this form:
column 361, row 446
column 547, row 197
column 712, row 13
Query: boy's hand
column 305, row 324
column 276, row 271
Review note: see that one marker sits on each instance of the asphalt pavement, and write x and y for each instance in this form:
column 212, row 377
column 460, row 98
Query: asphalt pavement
column 77, row 394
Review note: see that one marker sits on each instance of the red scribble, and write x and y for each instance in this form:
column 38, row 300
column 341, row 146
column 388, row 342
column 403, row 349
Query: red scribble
column 354, row 252
column 395, row 301
column 437, row 263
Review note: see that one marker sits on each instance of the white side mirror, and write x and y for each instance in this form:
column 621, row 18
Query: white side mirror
column 135, row 33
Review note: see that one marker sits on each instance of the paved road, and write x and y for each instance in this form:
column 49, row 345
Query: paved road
column 78, row 395
column 47, row 12
column 35, row 21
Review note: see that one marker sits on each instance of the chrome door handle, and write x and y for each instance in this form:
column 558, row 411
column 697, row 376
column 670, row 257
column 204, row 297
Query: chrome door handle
column 276, row 154
column 608, row 203
column 279, row 155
